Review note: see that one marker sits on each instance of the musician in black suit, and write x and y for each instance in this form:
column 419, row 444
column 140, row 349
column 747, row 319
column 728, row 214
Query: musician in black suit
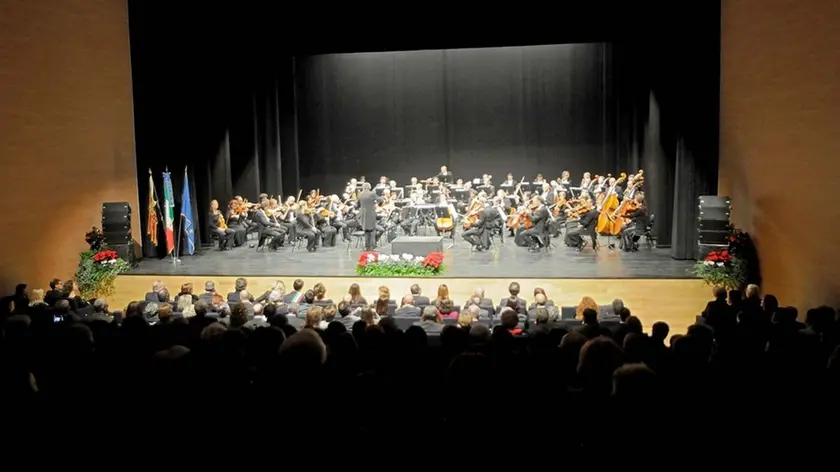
column 216, row 221
column 539, row 225
column 305, row 226
column 587, row 226
column 267, row 229
column 445, row 177
column 494, row 221
column 367, row 215
column 328, row 232
column 631, row 233
column 475, row 235
column 237, row 223
column 410, row 223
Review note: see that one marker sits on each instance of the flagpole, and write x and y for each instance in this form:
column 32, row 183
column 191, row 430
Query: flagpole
column 180, row 225
column 174, row 254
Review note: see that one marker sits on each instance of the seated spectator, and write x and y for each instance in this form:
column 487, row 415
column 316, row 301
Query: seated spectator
column 510, row 320
column 407, row 309
column 446, row 309
column 356, row 297
column 314, row 316
column 430, row 322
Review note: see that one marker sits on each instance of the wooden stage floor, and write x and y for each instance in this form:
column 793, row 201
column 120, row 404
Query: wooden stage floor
column 503, row 262
column 675, row 301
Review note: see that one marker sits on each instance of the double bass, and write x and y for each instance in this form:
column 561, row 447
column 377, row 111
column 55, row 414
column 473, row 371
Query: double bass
column 606, row 225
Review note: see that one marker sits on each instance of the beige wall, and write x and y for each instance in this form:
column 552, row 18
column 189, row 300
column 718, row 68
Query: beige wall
column 66, row 131
column 780, row 140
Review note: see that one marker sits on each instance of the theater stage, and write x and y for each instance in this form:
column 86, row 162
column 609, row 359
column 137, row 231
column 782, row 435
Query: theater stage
column 507, row 261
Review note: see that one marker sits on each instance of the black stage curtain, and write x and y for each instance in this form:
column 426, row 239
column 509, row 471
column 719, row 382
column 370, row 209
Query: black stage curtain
column 495, row 110
column 248, row 114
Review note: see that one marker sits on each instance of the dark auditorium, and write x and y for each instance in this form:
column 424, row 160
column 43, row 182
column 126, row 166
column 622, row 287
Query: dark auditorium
column 522, row 222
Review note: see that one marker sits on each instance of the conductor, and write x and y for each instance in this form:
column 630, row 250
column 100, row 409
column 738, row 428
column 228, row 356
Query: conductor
column 367, row 215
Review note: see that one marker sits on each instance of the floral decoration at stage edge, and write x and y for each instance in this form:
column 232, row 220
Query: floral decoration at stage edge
column 98, row 268
column 728, row 268
column 375, row 264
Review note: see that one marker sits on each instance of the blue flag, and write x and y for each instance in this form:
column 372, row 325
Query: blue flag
column 186, row 214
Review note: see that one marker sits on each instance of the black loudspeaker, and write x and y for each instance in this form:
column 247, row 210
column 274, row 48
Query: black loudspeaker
column 116, row 223
column 713, row 224
column 126, row 251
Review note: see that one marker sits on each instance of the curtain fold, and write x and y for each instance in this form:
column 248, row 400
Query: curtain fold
column 686, row 191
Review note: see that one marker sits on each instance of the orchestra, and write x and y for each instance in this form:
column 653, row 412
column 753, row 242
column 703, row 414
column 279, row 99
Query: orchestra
column 530, row 212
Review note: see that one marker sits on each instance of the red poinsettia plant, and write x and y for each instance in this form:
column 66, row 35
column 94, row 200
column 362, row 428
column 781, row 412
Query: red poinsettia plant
column 372, row 263
column 727, row 267
column 718, row 258
column 106, row 256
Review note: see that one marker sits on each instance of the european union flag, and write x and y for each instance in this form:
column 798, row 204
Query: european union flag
column 186, row 214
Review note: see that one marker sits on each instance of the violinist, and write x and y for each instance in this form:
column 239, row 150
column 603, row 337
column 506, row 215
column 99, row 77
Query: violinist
column 286, row 216
column 638, row 221
column 267, row 229
column 323, row 217
column 536, row 234
column 588, row 219
column 475, row 235
column 237, row 222
column 305, row 226
column 336, row 208
column 216, row 221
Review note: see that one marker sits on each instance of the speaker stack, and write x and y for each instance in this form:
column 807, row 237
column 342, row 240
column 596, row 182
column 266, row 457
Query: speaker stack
column 116, row 229
column 713, row 224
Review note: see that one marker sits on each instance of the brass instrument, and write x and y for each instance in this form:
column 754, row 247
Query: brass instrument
column 221, row 221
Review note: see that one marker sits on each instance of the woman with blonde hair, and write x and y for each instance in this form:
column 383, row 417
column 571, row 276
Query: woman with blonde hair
column 586, row 302
column 314, row 316
column 320, row 291
column 465, row 320
column 356, row 297
column 36, row 297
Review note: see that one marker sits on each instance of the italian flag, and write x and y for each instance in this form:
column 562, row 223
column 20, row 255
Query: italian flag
column 168, row 212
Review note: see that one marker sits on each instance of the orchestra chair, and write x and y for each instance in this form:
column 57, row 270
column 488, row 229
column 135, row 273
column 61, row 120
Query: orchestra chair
column 356, row 238
column 650, row 239
column 567, row 312
column 295, row 243
column 545, row 243
column 592, row 242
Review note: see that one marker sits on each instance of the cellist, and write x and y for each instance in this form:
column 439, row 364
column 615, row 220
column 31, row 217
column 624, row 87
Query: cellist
column 637, row 222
